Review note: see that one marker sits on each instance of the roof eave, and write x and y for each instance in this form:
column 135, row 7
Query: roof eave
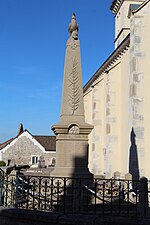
column 109, row 61
column 140, row 6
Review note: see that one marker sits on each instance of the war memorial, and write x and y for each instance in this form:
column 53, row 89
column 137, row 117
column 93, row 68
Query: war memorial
column 71, row 194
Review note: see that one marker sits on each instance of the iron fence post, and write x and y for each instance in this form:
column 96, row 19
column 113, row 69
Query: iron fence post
column 1, row 188
column 77, row 195
column 143, row 197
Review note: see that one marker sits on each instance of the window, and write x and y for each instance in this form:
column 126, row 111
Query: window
column 53, row 162
column 34, row 159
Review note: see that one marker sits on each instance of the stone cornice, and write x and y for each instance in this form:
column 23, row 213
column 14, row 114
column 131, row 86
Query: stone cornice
column 120, row 50
column 121, row 31
column 84, row 128
column 115, row 6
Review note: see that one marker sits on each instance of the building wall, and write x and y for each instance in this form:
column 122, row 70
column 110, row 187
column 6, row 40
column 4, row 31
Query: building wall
column 106, row 107
column 122, row 21
column 117, row 117
column 99, row 120
column 140, row 92
column 88, row 119
column 145, row 45
column 125, row 120
column 112, row 117
column 95, row 115
column 118, row 105
column 23, row 149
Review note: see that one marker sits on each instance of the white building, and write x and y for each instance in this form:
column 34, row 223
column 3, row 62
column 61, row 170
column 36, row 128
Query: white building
column 117, row 97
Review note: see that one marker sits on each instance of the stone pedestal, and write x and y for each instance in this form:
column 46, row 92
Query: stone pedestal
column 72, row 151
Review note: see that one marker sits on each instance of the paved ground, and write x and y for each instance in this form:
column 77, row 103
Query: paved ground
column 12, row 216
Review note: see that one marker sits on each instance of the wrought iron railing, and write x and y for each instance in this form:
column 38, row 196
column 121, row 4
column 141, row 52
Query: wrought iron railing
column 73, row 195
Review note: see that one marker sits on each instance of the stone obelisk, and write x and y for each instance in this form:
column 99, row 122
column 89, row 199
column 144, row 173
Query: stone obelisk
column 72, row 131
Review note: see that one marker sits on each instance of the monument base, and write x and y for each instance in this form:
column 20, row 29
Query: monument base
column 72, row 151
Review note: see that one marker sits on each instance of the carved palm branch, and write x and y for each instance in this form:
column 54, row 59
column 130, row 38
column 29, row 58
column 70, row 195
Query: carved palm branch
column 74, row 93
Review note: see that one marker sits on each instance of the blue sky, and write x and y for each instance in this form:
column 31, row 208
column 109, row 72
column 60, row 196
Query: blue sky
column 33, row 35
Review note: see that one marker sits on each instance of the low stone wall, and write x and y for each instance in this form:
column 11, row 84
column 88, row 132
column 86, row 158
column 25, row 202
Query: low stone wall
column 11, row 216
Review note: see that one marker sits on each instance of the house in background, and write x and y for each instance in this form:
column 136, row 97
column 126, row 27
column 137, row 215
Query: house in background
column 26, row 149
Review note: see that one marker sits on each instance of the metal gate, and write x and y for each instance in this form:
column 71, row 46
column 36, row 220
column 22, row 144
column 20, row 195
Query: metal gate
column 73, row 195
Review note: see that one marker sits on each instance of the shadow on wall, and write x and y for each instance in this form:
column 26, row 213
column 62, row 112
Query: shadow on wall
column 133, row 157
column 81, row 165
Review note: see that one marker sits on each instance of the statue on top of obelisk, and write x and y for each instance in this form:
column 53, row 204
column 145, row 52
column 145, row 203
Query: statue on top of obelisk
column 73, row 27
column 72, row 130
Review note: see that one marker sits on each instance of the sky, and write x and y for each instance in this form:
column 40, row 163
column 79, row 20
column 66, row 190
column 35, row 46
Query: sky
column 33, row 35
